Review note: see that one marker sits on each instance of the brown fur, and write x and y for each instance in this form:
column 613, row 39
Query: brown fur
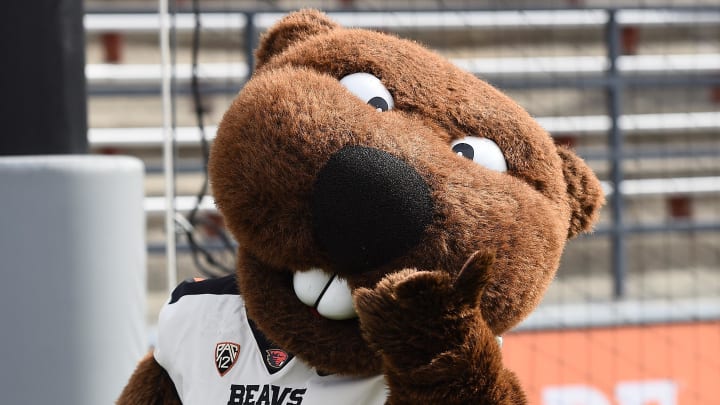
column 428, row 318
column 149, row 385
column 584, row 191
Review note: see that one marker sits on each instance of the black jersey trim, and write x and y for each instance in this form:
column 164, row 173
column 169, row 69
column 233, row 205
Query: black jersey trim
column 267, row 348
column 216, row 286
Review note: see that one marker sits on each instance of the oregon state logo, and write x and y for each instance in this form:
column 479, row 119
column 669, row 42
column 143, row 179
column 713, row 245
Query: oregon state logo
column 226, row 354
column 276, row 358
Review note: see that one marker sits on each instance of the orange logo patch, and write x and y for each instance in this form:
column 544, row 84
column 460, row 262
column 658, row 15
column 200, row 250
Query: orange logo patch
column 276, row 358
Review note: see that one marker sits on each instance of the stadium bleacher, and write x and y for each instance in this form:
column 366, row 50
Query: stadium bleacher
column 555, row 62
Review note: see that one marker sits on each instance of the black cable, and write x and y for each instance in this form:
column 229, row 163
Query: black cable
column 197, row 102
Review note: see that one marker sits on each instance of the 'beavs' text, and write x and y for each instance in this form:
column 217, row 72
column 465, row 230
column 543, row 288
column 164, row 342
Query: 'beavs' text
column 265, row 395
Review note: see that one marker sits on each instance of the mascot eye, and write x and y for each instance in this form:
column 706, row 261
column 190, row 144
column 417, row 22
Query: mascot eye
column 481, row 151
column 369, row 89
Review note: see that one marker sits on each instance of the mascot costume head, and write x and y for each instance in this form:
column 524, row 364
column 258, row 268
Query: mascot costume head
column 394, row 214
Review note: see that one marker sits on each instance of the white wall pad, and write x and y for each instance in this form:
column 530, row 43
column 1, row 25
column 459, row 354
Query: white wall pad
column 619, row 313
column 73, row 266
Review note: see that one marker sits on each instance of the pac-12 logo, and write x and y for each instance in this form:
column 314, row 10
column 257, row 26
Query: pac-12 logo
column 226, row 353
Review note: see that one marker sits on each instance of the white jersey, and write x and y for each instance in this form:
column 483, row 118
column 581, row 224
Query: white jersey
column 215, row 355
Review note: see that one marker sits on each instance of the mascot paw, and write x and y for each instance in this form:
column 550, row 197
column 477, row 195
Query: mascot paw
column 412, row 316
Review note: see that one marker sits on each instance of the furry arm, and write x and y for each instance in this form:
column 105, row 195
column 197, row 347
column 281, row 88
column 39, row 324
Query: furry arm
column 149, row 385
column 435, row 344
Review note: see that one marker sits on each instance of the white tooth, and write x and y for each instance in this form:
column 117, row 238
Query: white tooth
column 337, row 303
column 334, row 301
column 309, row 285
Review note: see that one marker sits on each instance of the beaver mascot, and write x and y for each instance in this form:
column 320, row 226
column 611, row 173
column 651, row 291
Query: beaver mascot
column 395, row 216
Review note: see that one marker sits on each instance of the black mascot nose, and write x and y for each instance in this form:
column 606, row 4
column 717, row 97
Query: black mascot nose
column 368, row 208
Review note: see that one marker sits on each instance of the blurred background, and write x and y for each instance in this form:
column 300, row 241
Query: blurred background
column 633, row 317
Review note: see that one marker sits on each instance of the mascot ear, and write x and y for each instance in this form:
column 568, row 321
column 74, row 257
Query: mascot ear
column 585, row 195
column 292, row 28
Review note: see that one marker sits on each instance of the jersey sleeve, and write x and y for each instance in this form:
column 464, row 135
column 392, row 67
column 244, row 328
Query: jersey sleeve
column 177, row 321
column 170, row 326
